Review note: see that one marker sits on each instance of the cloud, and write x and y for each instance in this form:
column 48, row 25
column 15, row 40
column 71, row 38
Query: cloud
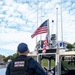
column 18, row 20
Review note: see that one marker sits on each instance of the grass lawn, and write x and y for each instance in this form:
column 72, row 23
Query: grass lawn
column 44, row 63
column 69, row 64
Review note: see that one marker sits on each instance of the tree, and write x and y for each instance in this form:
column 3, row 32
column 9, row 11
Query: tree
column 70, row 46
column 74, row 45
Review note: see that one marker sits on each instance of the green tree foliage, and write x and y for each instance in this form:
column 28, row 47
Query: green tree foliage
column 74, row 44
column 10, row 57
column 15, row 55
column 70, row 46
column 2, row 56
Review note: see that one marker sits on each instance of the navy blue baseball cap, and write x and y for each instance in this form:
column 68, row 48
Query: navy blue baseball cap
column 22, row 47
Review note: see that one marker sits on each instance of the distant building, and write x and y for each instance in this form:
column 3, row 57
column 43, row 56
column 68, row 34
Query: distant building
column 1, row 61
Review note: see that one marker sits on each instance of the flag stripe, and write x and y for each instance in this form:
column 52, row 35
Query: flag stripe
column 45, row 44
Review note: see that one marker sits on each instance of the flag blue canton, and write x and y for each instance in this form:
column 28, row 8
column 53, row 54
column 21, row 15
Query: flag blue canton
column 44, row 23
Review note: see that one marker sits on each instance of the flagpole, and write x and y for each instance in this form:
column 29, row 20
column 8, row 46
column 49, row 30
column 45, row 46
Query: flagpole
column 37, row 19
column 56, row 63
column 41, row 34
column 37, row 27
column 48, row 33
column 61, row 21
column 57, row 69
column 41, row 23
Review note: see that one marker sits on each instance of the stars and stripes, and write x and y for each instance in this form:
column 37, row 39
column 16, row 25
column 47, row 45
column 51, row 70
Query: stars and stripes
column 43, row 28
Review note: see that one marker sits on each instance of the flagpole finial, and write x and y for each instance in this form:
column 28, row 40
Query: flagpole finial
column 52, row 20
column 57, row 8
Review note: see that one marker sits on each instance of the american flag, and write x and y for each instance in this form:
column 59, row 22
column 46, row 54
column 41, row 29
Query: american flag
column 43, row 28
column 45, row 44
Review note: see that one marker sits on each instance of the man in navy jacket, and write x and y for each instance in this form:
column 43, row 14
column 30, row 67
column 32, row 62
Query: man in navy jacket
column 24, row 65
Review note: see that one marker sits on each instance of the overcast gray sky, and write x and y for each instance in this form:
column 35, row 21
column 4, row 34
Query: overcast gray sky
column 18, row 20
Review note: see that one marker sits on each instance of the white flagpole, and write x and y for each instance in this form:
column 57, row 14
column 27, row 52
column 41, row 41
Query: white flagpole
column 36, row 36
column 37, row 19
column 41, row 23
column 38, row 57
column 61, row 21
column 48, row 33
column 57, row 69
